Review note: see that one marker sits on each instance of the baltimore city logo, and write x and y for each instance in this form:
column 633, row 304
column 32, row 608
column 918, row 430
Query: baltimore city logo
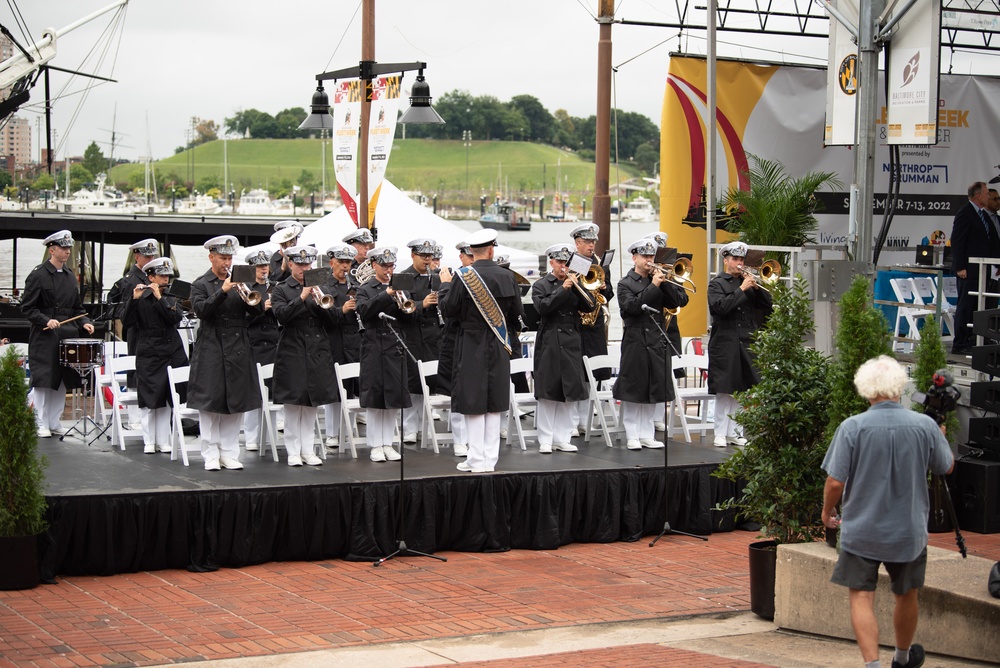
column 847, row 76
column 910, row 69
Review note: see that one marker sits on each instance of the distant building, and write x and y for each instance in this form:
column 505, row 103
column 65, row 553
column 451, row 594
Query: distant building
column 15, row 140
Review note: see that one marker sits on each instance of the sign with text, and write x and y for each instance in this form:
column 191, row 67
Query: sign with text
column 346, row 122
column 381, row 130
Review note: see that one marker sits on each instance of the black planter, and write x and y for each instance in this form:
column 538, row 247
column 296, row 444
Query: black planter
column 19, row 555
column 763, row 562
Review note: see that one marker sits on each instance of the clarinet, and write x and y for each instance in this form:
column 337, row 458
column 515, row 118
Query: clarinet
column 430, row 282
column 352, row 293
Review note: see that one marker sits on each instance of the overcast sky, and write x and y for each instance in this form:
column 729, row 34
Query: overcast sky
column 209, row 58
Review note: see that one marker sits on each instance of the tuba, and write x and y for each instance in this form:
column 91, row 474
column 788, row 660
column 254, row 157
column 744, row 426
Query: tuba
column 766, row 275
column 590, row 285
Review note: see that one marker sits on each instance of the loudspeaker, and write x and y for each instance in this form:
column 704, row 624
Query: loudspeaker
column 976, row 495
column 985, row 395
column 986, row 359
column 987, row 323
column 925, row 255
column 984, row 433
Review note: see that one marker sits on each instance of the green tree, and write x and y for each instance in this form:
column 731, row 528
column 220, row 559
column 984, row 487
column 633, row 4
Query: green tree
column 22, row 470
column 205, row 131
column 287, row 123
column 260, row 124
column 646, row 156
column 79, row 176
column 94, row 160
column 43, row 182
column 5, row 179
column 307, row 181
column 542, row 125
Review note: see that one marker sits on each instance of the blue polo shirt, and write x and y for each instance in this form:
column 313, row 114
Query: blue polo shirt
column 882, row 456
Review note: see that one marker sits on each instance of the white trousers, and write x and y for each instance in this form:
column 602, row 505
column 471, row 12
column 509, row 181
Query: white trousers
column 726, row 408
column 459, row 429
column 300, row 431
column 638, row 420
column 555, row 421
column 134, row 414
column 580, row 409
column 331, row 415
column 49, row 406
column 251, row 426
column 381, row 426
column 411, row 415
column 220, row 434
column 660, row 412
column 155, row 426
column 484, row 440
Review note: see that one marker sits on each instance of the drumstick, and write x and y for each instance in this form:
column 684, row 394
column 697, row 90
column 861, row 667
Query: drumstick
column 63, row 322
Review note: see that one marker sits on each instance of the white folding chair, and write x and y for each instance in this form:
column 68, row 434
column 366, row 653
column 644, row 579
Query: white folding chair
column 178, row 443
column 122, row 397
column 103, row 380
column 521, row 402
column 694, row 389
column 349, row 408
column 432, row 402
column 902, row 288
column 925, row 292
column 601, row 399
column 268, row 413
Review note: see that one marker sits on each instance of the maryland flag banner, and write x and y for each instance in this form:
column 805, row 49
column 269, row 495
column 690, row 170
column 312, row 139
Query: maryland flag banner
column 346, row 120
column 381, row 130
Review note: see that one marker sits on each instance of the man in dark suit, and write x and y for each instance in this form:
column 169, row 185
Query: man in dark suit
column 971, row 235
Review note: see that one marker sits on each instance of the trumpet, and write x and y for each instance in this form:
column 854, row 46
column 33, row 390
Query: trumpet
column 764, row 276
column 679, row 272
column 251, row 297
column 404, row 302
column 324, row 300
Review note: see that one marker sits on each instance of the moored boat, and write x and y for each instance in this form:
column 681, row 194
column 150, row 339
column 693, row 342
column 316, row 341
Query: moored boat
column 505, row 216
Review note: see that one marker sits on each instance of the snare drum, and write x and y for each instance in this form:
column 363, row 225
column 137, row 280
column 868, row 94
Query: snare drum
column 81, row 353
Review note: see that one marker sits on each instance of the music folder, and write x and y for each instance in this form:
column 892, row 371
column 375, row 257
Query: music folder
column 243, row 273
column 579, row 264
column 180, row 289
column 606, row 259
column 402, row 282
column 321, row 276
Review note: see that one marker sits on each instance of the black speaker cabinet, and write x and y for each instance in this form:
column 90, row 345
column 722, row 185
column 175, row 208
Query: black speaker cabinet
column 985, row 395
column 987, row 323
column 976, row 493
column 986, row 359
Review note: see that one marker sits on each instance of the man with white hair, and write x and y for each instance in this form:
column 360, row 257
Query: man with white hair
column 878, row 465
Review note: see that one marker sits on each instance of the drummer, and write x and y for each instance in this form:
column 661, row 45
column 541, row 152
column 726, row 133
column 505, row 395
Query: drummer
column 53, row 307
column 153, row 316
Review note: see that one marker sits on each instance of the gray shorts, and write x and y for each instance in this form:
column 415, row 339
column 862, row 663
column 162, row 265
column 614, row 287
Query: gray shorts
column 861, row 573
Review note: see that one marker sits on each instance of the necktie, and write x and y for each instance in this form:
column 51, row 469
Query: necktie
column 986, row 222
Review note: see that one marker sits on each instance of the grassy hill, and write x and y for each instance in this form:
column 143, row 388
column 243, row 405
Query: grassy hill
column 442, row 167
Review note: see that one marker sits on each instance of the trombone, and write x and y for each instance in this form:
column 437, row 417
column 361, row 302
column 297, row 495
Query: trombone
column 764, row 276
column 679, row 272
column 251, row 297
column 589, row 285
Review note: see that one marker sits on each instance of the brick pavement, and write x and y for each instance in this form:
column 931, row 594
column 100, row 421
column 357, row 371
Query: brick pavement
column 146, row 619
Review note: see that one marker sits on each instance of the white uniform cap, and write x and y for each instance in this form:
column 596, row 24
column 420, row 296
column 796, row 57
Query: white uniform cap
column 341, row 252
column 502, row 260
column 438, row 251
column 286, row 234
column 482, row 238
column 660, row 238
column 225, row 244
column 282, row 224
column 422, row 246
column 586, row 231
column 359, row 236
column 463, row 248
column 144, row 247
column 257, row 258
column 734, row 248
column 301, row 254
column 560, row 252
column 383, row 255
column 644, row 246
column 61, row 238
column 160, row 266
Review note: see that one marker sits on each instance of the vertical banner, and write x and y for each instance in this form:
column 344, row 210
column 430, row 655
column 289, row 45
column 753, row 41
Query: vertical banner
column 912, row 105
column 842, row 78
column 381, row 130
column 346, row 121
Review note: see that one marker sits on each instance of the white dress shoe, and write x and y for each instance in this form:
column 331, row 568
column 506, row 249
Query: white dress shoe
column 564, row 447
column 230, row 463
column 43, row 432
column 576, row 432
column 464, row 466
column 333, row 442
column 212, row 465
column 659, row 426
column 503, row 433
column 545, row 448
column 163, row 448
column 149, row 449
column 377, row 455
column 436, row 415
column 280, row 425
column 633, row 444
column 461, row 450
column 312, row 460
column 720, row 442
column 294, row 460
column 410, row 437
column 252, row 447
column 390, row 454
column 736, row 440
column 58, row 431
column 650, row 443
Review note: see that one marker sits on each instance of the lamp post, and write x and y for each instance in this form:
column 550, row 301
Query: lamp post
column 467, row 142
column 173, row 199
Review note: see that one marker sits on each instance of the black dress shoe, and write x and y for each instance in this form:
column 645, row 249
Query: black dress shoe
column 916, row 658
column 960, row 350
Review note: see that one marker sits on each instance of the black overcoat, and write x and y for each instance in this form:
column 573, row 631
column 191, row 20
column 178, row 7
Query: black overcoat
column 153, row 323
column 558, row 358
column 643, row 376
column 381, row 384
column 263, row 330
column 223, row 371
column 303, row 366
column 343, row 331
column 422, row 330
column 481, row 365
column 730, row 363
column 48, row 294
column 594, row 337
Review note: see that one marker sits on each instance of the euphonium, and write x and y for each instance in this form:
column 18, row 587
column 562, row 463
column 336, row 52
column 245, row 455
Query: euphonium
column 591, row 282
column 766, row 275
column 404, row 302
column 324, row 300
column 251, row 297
column 363, row 272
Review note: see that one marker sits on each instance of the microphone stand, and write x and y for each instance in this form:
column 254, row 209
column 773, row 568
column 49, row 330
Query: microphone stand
column 667, row 346
column 401, row 549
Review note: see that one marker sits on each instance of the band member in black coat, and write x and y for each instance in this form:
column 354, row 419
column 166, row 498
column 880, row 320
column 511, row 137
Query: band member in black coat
column 362, row 241
column 593, row 336
column 643, row 378
column 481, row 390
column 971, row 236
column 676, row 343
column 558, row 370
column 384, row 374
column 422, row 330
column 51, row 296
column 223, row 382
column 733, row 298
column 343, row 331
column 153, row 317
column 286, row 234
column 263, row 332
column 446, row 360
column 303, row 348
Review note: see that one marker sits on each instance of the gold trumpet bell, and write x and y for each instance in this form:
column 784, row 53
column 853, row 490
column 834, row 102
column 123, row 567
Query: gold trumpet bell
column 770, row 272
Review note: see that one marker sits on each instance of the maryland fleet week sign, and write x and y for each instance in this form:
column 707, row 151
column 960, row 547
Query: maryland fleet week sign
column 777, row 112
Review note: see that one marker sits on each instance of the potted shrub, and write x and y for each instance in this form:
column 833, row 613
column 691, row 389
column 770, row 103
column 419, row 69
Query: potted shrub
column 22, row 476
column 784, row 420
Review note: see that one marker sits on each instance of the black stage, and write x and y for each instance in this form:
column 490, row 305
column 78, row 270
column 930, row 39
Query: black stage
column 114, row 512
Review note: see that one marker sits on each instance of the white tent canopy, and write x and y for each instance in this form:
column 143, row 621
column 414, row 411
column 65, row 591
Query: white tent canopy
column 399, row 220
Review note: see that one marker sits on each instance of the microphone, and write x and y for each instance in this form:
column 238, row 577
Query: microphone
column 649, row 309
column 386, row 316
